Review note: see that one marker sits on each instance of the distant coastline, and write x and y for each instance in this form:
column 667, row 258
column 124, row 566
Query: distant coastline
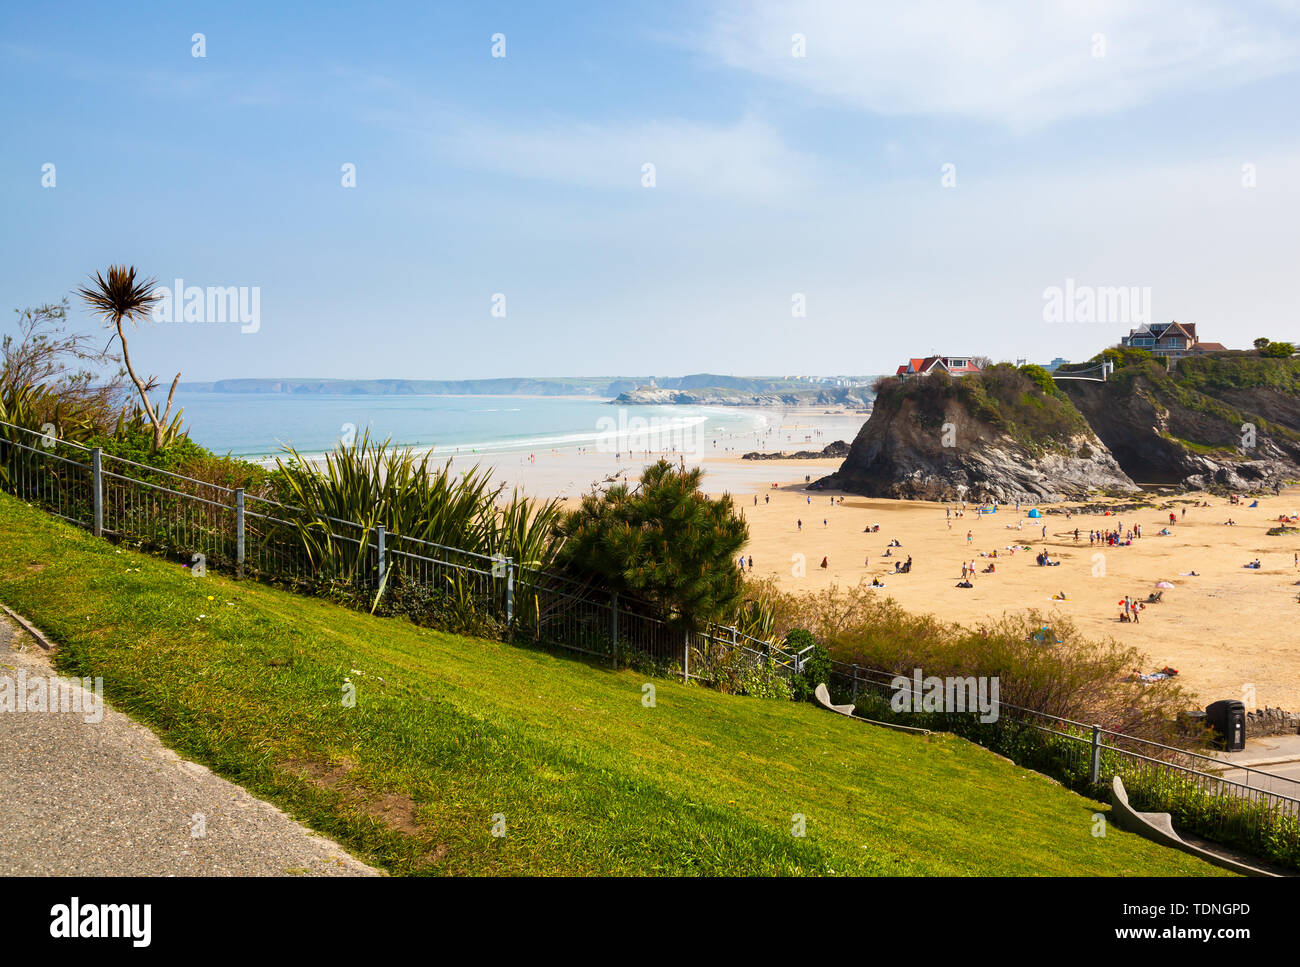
column 700, row 388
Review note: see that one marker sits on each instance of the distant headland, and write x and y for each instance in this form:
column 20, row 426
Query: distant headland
column 699, row 388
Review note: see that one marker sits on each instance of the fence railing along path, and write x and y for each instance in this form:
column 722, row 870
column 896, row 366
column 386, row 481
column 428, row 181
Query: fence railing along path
column 209, row 525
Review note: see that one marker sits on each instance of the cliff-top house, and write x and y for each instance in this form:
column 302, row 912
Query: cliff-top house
column 1171, row 340
column 953, row 365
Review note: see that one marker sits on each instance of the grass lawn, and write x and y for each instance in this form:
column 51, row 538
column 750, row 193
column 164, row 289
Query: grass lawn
column 448, row 732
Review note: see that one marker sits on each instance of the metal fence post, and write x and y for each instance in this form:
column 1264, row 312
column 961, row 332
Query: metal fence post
column 510, row 591
column 686, row 658
column 379, row 533
column 1096, row 754
column 613, row 627
column 239, row 532
column 97, row 477
column 855, row 684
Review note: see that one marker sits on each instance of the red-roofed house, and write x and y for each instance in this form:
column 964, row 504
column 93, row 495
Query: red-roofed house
column 953, row 365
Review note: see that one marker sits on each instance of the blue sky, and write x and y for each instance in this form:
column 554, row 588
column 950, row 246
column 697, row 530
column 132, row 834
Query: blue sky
column 1099, row 142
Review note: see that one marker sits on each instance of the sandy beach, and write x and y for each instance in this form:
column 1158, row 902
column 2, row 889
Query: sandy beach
column 570, row 471
column 1225, row 629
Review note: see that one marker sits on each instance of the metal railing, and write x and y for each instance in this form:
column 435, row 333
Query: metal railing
column 1192, row 785
column 207, row 525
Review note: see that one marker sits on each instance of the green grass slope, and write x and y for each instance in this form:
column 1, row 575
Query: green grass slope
column 448, row 732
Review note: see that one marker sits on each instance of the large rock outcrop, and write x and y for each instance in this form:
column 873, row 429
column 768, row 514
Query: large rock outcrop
column 996, row 435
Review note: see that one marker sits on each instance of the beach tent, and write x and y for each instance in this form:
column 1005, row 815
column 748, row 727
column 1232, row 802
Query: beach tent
column 1163, row 584
column 1034, row 512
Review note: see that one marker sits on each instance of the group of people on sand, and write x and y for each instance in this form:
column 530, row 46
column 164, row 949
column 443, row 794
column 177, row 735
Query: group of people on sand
column 1115, row 538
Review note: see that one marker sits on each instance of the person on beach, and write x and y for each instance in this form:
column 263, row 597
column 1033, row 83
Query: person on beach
column 970, row 536
column 824, row 564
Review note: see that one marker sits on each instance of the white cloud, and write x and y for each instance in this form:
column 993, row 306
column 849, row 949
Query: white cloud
column 1005, row 61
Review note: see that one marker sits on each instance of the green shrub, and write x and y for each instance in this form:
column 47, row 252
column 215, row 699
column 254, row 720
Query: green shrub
column 662, row 542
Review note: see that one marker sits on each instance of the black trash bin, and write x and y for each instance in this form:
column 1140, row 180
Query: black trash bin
column 1228, row 719
column 1192, row 721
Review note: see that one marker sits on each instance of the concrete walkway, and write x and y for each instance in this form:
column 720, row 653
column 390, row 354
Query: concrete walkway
column 1265, row 750
column 106, row 798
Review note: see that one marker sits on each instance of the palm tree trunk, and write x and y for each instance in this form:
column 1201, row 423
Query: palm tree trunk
column 144, row 394
column 159, row 424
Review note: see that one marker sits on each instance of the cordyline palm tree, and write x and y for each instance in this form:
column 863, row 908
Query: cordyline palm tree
column 120, row 297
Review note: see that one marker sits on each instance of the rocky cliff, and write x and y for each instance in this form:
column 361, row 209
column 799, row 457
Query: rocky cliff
column 998, row 434
column 1227, row 421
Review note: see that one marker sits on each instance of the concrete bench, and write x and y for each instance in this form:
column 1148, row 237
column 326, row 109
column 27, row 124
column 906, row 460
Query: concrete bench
column 1159, row 828
column 823, row 696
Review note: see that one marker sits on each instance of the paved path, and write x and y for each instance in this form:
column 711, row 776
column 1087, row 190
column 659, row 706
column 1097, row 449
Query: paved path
column 1264, row 750
column 107, row 799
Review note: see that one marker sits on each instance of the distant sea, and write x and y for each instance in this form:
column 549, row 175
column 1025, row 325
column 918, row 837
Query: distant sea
column 261, row 424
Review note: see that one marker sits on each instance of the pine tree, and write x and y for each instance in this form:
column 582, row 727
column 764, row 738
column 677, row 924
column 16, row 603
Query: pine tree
column 663, row 542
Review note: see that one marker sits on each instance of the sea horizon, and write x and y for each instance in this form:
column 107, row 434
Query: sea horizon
column 260, row 426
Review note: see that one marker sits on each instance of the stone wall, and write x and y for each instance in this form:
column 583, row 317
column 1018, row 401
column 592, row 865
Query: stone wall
column 1272, row 721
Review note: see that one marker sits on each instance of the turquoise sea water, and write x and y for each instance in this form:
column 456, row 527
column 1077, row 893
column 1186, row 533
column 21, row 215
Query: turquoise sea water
column 258, row 424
